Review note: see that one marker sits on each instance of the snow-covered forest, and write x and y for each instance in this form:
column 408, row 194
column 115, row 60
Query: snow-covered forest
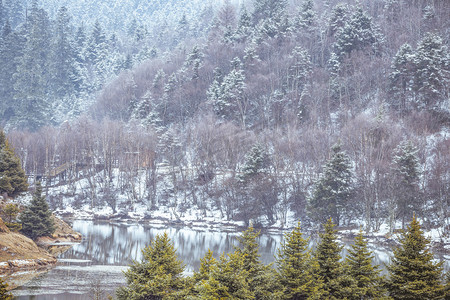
column 258, row 111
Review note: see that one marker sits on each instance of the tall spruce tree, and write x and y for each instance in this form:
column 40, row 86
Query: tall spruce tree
column 297, row 269
column 401, row 77
column 63, row 56
column 158, row 276
column 32, row 78
column 332, row 192
column 359, row 267
column 11, row 49
column 412, row 272
column 13, row 180
column 37, row 219
column 431, row 72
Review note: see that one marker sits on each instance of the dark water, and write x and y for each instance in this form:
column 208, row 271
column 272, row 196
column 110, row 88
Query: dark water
column 95, row 266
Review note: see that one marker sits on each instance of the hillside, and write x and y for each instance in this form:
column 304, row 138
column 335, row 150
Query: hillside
column 248, row 120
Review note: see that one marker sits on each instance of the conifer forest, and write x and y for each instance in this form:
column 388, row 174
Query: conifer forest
column 321, row 116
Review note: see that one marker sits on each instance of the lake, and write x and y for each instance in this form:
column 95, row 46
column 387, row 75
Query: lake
column 95, row 266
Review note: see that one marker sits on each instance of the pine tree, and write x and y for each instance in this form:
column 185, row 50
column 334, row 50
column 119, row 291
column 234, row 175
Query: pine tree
column 339, row 17
column 232, row 278
column 63, row 57
column 400, row 78
column 299, row 73
column 412, row 272
column 11, row 49
column 228, row 97
column 256, row 161
column 359, row 263
column 4, row 295
column 13, row 180
column 431, row 64
column 32, row 77
column 357, row 34
column 332, row 192
column 406, row 180
column 244, row 27
column 328, row 258
column 268, row 9
column 159, row 275
column 206, row 285
column 297, row 268
column 37, row 218
column 307, row 16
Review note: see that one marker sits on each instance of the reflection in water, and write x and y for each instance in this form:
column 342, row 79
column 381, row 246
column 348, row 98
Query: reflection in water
column 107, row 249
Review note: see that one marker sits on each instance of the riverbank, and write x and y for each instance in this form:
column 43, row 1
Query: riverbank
column 19, row 253
column 439, row 238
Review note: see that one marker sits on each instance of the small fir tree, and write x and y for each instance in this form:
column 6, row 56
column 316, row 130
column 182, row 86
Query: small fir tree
column 412, row 272
column 337, row 284
column 13, row 180
column 296, row 268
column 37, row 218
column 10, row 212
column 157, row 276
column 4, row 295
column 359, row 266
column 328, row 256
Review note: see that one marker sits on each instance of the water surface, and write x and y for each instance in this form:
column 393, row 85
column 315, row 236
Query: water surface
column 96, row 265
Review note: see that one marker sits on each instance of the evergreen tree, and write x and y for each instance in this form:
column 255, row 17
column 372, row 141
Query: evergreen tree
column 32, row 78
column 268, row 9
column 157, row 276
column 4, row 295
column 256, row 161
column 37, row 218
column 336, row 283
column 328, row 256
column 11, row 49
column 412, row 272
column 307, row 16
column 80, row 77
column 244, row 27
column 297, row 268
column 13, row 180
column 339, row 17
column 299, row 74
column 406, row 180
column 359, row 263
column 206, row 285
column 63, row 62
column 401, row 77
column 228, row 98
column 231, row 278
column 432, row 65
column 243, row 276
column 357, row 34
column 331, row 195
